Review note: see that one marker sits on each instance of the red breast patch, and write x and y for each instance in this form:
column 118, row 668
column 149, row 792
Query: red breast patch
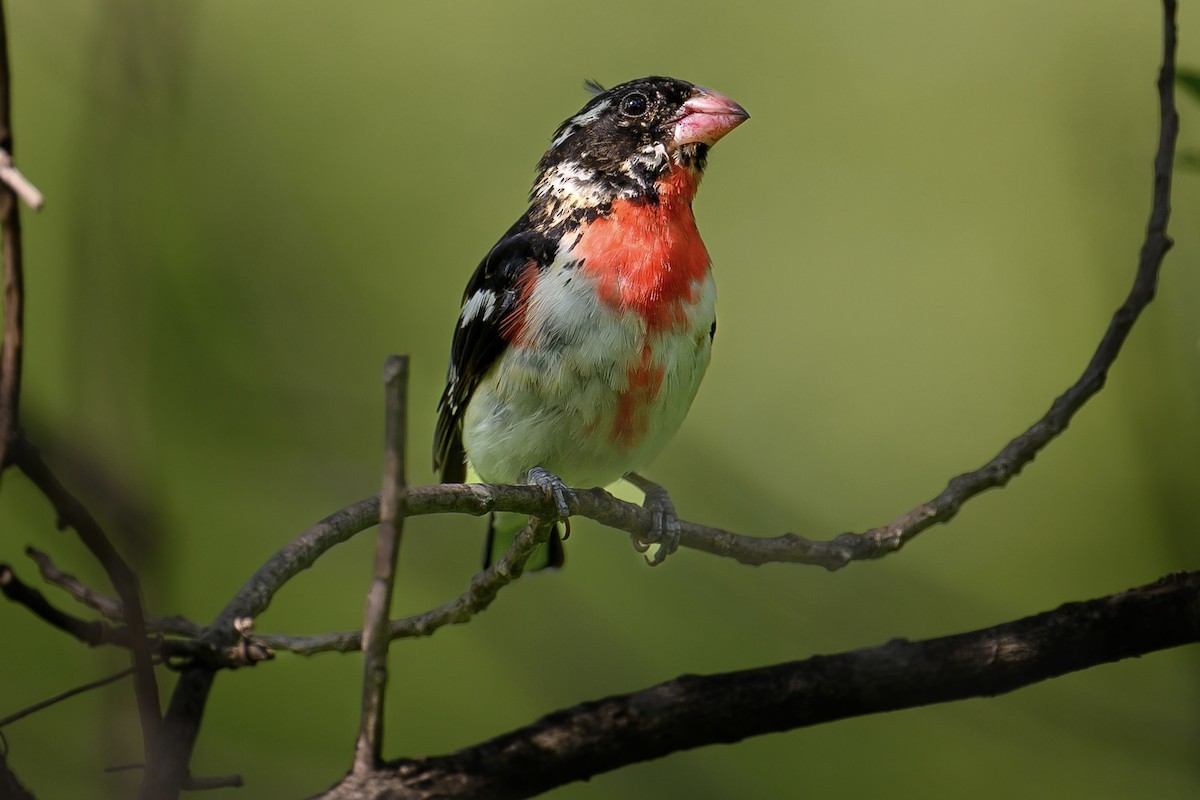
column 648, row 257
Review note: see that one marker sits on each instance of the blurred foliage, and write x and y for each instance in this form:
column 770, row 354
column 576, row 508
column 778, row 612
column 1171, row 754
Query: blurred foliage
column 1189, row 81
column 919, row 237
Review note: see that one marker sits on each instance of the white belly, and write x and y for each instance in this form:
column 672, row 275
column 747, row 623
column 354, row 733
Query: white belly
column 564, row 402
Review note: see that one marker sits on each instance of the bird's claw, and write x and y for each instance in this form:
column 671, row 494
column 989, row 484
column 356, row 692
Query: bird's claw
column 555, row 488
column 665, row 528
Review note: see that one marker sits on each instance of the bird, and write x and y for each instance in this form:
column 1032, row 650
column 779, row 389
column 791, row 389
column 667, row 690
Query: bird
column 585, row 331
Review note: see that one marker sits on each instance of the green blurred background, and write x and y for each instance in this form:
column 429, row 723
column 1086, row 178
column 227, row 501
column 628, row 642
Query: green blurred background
column 919, row 238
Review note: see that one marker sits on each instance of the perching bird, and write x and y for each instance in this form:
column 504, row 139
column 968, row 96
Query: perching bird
column 585, row 331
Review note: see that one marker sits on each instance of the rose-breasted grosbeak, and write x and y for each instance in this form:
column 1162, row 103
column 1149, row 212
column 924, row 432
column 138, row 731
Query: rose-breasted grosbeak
column 585, row 331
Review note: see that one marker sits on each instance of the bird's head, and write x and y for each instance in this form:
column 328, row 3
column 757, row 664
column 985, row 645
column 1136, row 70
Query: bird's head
column 628, row 137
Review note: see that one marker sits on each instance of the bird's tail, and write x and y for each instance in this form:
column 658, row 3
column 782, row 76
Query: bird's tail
column 503, row 527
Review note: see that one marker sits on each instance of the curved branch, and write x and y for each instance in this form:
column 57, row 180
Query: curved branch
column 483, row 590
column 692, row 711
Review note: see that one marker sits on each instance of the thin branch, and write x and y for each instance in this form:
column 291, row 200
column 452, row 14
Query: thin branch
column 375, row 639
column 484, row 588
column 182, row 722
column 90, row 632
column 692, row 711
column 165, row 777
column 14, row 275
column 108, row 607
column 21, row 185
column 58, row 698
column 176, row 653
column 74, row 514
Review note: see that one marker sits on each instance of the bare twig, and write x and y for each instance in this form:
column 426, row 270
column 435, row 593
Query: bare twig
column 14, row 276
column 21, row 185
column 74, row 514
column 165, row 778
column 108, row 607
column 176, row 653
column 692, row 711
column 375, row 639
column 183, row 718
column 58, row 698
column 90, row 632
column 484, row 588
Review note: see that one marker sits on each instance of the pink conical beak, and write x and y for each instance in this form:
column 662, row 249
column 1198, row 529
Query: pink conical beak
column 706, row 116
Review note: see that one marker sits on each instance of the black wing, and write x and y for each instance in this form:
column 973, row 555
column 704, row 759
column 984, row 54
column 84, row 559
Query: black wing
column 488, row 307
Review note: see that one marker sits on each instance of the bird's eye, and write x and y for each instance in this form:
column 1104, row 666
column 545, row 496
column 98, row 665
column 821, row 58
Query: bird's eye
column 634, row 104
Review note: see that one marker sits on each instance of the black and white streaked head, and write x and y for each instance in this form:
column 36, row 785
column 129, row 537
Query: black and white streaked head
column 626, row 138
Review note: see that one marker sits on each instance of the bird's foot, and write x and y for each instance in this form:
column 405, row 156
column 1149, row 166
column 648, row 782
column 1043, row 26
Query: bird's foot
column 555, row 489
column 664, row 529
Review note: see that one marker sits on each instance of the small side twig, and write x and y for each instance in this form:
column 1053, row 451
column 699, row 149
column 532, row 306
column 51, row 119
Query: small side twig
column 108, row 607
column 21, row 185
column 484, row 588
column 368, row 748
column 90, row 632
column 175, row 653
column 74, row 514
column 58, row 698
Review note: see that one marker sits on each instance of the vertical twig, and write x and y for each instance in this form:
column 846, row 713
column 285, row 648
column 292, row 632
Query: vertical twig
column 14, row 280
column 367, row 750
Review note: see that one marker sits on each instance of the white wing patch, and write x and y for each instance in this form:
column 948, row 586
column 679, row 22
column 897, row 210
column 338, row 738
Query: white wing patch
column 482, row 302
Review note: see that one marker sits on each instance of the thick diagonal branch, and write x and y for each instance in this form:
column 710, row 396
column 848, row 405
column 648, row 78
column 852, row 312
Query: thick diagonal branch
column 696, row 710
